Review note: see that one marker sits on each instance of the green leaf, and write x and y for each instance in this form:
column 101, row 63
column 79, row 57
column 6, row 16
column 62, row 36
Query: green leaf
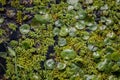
column 61, row 66
column 11, row 52
column 24, row 29
column 42, row 18
column 49, row 64
column 68, row 54
column 64, row 31
column 62, row 42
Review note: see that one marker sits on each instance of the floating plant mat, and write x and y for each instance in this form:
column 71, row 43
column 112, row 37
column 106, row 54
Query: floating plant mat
column 60, row 39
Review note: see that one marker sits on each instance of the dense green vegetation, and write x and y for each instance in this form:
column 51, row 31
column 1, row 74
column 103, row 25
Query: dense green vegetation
column 60, row 39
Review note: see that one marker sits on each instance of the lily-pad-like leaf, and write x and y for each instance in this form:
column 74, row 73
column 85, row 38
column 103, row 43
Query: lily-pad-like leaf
column 24, row 29
column 85, row 36
column 70, row 7
column 64, row 31
column 74, row 67
column 72, row 32
column 109, row 22
column 56, row 31
column 90, row 47
column 80, row 25
column 68, row 54
column 58, row 23
column 61, row 66
column 72, row 2
column 49, row 64
column 92, row 26
column 96, row 55
column 11, row 51
column 105, row 66
column 82, row 14
column 62, row 42
column 101, row 66
column 103, row 27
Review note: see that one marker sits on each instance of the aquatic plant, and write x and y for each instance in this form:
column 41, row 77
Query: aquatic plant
column 50, row 64
column 60, row 39
column 24, row 29
column 42, row 18
column 68, row 54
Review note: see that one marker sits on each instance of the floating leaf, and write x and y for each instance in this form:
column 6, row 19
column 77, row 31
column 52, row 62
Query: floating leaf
column 64, row 31
column 80, row 25
column 56, row 31
column 82, row 14
column 92, row 26
column 96, row 55
column 58, row 23
column 61, row 66
column 24, row 29
column 109, row 22
column 89, row 1
column 72, row 32
column 68, row 54
column 73, row 2
column 105, row 66
column 90, row 47
column 62, row 42
column 85, row 36
column 49, row 64
column 70, row 7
